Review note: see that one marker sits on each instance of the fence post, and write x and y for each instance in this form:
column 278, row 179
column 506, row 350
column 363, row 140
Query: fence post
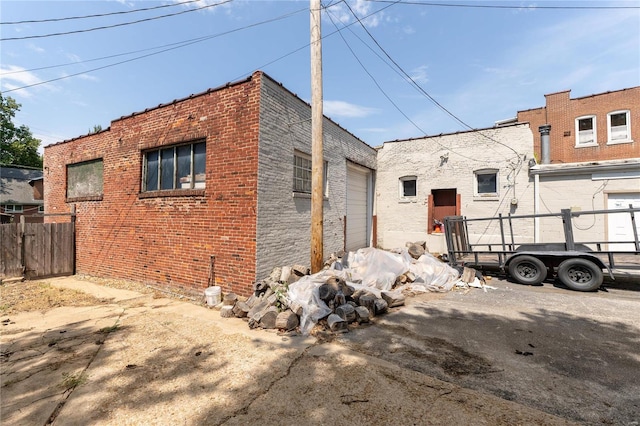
column 73, row 243
column 22, row 244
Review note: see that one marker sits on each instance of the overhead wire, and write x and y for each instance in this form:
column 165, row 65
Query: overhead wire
column 497, row 6
column 188, row 43
column 412, row 81
column 99, row 15
column 116, row 25
column 329, row 14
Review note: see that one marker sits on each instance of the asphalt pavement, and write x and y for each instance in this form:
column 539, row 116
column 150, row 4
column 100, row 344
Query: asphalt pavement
column 571, row 354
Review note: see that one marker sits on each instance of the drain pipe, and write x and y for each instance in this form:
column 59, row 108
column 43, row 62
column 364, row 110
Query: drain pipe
column 544, row 143
column 546, row 159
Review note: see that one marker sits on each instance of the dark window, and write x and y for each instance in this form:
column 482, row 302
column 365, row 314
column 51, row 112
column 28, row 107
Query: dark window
column 409, row 188
column 175, row 167
column 486, row 182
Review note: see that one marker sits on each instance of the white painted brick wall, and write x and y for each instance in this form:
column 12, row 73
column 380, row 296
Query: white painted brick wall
column 284, row 224
column 579, row 193
column 399, row 221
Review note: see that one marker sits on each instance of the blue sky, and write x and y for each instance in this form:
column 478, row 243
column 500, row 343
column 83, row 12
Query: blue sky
column 482, row 64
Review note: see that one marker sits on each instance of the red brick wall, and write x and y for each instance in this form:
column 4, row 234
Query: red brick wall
column 169, row 240
column 561, row 111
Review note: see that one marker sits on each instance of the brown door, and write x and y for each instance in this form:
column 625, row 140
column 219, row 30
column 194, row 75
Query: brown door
column 442, row 203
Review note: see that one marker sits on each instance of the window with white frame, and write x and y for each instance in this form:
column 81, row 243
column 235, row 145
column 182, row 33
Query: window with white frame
column 13, row 208
column 175, row 167
column 486, row 183
column 408, row 187
column 586, row 131
column 618, row 127
column 40, row 209
column 302, row 168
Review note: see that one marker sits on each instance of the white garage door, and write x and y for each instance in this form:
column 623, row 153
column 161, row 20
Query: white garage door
column 357, row 235
column 620, row 227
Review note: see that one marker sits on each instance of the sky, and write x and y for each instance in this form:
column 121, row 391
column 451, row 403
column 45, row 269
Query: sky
column 391, row 70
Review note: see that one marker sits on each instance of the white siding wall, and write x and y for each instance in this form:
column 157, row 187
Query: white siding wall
column 284, row 222
column 446, row 162
column 579, row 193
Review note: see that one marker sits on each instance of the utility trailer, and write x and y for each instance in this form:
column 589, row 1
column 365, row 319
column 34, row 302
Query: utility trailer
column 578, row 246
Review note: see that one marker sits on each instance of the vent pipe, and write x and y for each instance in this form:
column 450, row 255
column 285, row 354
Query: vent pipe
column 544, row 143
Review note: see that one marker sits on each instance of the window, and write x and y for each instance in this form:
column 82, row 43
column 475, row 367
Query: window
column 85, row 180
column 586, row 131
column 619, row 127
column 13, row 208
column 408, row 187
column 175, row 167
column 40, row 209
column 302, row 166
column 486, row 183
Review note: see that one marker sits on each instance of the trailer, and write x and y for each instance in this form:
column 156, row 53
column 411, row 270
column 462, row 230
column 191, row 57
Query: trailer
column 577, row 247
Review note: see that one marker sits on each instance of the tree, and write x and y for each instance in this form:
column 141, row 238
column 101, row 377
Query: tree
column 17, row 144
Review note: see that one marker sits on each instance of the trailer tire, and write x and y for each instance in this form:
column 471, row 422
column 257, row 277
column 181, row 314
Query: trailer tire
column 527, row 270
column 580, row 274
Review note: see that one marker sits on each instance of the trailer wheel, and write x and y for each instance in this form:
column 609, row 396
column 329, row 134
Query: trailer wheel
column 527, row 270
column 580, row 274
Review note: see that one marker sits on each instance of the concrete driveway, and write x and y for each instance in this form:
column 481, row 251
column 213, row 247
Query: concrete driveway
column 443, row 359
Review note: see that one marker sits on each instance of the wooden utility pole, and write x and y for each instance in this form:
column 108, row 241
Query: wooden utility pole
column 317, row 160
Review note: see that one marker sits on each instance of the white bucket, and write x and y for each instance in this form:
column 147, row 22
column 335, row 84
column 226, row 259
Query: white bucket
column 213, row 295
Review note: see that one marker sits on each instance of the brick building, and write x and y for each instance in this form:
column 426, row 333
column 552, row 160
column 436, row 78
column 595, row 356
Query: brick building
column 215, row 184
column 588, row 150
column 604, row 126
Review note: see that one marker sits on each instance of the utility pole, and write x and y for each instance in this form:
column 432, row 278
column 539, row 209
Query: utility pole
column 317, row 160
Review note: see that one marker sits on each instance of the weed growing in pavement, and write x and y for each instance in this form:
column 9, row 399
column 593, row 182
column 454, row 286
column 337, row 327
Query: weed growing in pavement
column 72, row 381
column 107, row 330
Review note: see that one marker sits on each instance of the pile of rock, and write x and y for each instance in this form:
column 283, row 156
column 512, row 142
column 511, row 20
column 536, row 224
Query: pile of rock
column 270, row 308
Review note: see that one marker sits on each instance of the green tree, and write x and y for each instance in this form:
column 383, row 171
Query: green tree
column 17, row 144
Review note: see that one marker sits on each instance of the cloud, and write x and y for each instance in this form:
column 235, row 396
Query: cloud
column 35, row 48
column 88, row 77
column 346, row 109
column 587, row 53
column 12, row 76
column 204, row 3
column 419, row 74
column 361, row 8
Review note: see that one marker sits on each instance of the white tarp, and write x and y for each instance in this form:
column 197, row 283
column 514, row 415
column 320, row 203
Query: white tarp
column 373, row 269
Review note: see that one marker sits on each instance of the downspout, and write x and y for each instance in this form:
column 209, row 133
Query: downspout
column 546, row 159
column 536, row 208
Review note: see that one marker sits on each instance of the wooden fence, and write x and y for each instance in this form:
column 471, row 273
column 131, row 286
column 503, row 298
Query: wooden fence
column 37, row 250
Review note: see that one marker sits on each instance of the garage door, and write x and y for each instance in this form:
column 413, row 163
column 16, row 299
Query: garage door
column 357, row 234
column 620, row 226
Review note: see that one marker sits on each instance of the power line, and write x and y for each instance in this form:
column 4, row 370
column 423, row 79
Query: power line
column 385, row 94
column 433, row 100
column 97, row 15
column 184, row 44
column 115, row 25
column 495, row 6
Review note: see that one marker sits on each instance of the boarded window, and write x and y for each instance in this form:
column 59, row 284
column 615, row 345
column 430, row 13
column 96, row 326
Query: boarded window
column 586, row 130
column 85, row 180
column 618, row 126
column 175, row 167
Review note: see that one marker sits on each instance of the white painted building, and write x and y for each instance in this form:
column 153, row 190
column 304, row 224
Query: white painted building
column 480, row 173
column 594, row 185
